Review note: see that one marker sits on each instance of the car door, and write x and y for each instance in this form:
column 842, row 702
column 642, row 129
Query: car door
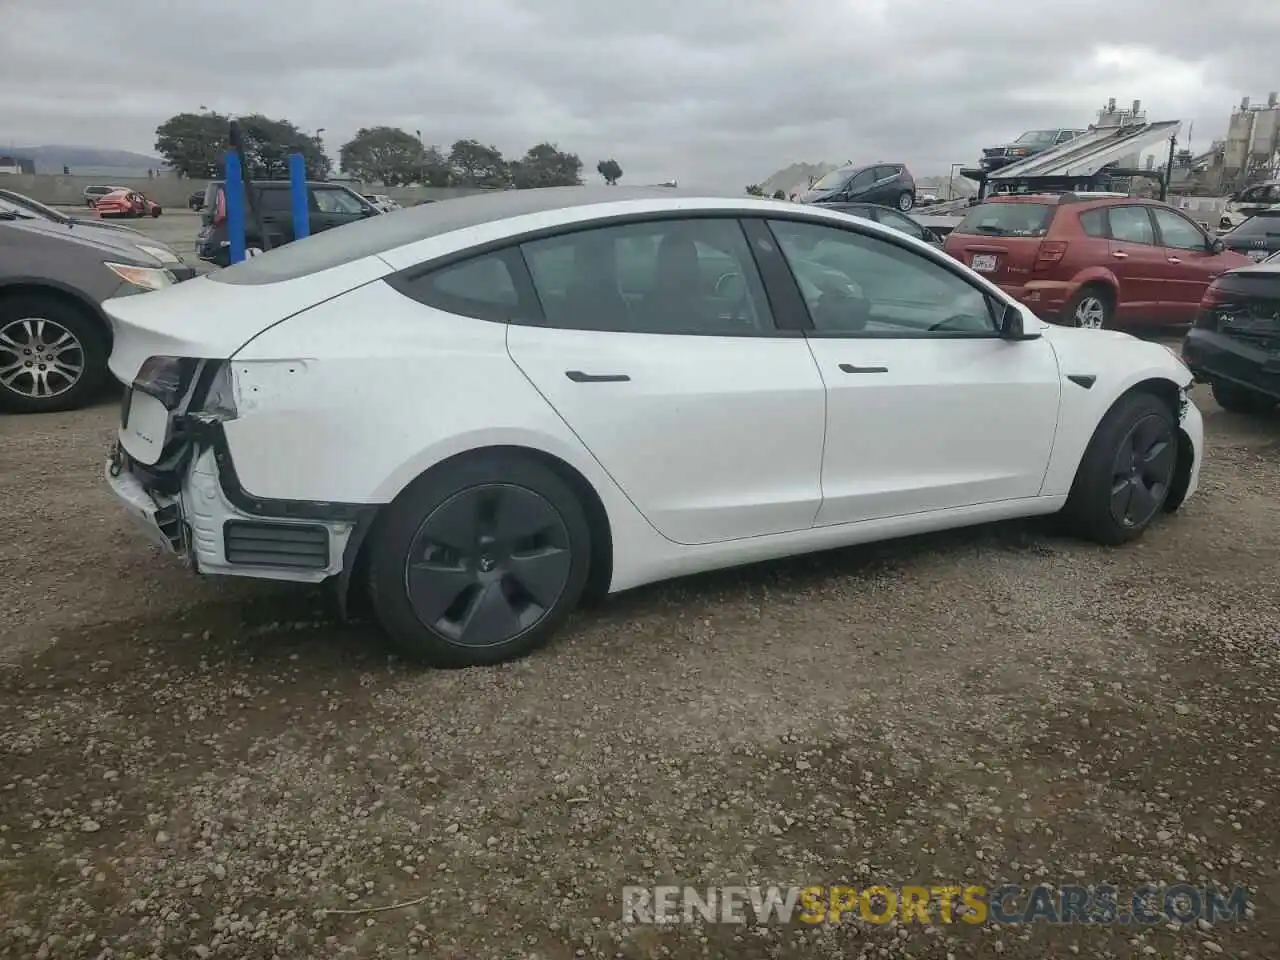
column 884, row 186
column 860, row 184
column 1191, row 264
column 707, row 416
column 1138, row 263
column 333, row 206
column 928, row 408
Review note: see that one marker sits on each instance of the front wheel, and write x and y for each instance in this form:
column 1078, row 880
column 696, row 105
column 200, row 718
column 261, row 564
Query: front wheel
column 53, row 355
column 155, row 212
column 479, row 561
column 1123, row 479
column 1237, row 399
column 906, row 201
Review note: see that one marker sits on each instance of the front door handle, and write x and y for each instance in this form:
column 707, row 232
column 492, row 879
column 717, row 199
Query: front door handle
column 1175, row 260
column 850, row 368
column 1120, row 255
column 577, row 376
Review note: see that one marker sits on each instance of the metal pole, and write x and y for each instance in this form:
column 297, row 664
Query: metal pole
column 298, row 194
column 1168, row 170
column 233, row 193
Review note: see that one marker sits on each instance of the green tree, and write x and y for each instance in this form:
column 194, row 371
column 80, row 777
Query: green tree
column 478, row 165
column 610, row 170
column 755, row 190
column 268, row 143
column 436, row 170
column 545, row 165
column 193, row 143
column 384, row 154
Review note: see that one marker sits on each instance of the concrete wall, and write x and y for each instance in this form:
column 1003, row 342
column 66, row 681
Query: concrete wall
column 170, row 192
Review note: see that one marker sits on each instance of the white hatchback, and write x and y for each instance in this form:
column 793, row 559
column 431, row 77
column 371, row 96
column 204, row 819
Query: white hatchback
column 486, row 407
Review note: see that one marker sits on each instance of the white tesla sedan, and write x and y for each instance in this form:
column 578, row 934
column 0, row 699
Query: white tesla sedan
column 484, row 408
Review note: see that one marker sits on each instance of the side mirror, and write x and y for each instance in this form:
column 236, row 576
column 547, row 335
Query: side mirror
column 1012, row 327
column 1215, row 245
column 931, row 237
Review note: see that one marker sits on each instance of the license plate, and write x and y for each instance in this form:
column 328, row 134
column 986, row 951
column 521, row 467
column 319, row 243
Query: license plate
column 984, row 263
column 1257, row 256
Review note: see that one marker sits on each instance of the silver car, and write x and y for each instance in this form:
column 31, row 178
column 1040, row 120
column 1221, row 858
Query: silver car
column 54, row 274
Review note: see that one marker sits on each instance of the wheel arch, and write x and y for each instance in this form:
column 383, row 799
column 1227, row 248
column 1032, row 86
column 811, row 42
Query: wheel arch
column 1170, row 392
column 38, row 286
column 601, row 529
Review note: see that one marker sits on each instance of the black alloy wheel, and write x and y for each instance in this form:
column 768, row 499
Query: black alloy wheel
column 488, row 564
column 1142, row 471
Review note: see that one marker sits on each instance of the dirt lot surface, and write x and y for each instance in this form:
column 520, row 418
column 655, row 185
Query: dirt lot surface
column 192, row 768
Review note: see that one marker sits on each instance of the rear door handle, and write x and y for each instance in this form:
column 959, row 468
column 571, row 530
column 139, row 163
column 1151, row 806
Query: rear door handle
column 1174, row 260
column 850, row 368
column 577, row 376
column 1120, row 255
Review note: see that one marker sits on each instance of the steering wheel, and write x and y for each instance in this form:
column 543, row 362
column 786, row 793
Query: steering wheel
column 736, row 295
column 942, row 324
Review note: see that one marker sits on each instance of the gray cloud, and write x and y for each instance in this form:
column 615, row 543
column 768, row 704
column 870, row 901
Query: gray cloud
column 713, row 92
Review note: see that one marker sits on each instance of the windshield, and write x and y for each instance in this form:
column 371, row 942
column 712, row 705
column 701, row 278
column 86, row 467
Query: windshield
column 833, row 179
column 1007, row 220
column 1038, row 136
column 1260, row 226
column 31, row 206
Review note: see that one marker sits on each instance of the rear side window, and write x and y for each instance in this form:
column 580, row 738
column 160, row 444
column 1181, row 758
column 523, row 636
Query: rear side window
column 883, row 173
column 483, row 287
column 1008, row 220
column 329, row 200
column 274, row 201
column 1094, row 222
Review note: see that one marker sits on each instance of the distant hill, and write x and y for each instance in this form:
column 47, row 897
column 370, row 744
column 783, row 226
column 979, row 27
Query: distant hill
column 51, row 158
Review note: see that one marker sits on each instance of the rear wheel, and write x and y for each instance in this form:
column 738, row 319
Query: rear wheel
column 1090, row 309
column 906, row 200
column 1237, row 399
column 479, row 561
column 1124, row 477
column 53, row 355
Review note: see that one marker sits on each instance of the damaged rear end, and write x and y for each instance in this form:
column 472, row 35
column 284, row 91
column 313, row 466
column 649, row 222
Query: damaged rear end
column 172, row 467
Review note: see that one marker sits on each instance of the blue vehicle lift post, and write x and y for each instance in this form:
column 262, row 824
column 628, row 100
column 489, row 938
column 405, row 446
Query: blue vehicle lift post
column 233, row 191
column 298, row 194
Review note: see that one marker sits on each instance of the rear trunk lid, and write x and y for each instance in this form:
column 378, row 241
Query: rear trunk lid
column 1001, row 239
column 203, row 318
column 1245, row 304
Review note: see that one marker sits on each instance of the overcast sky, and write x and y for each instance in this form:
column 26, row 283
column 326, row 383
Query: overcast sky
column 710, row 92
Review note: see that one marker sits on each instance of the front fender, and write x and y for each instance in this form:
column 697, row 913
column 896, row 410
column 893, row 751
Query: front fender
column 1117, row 364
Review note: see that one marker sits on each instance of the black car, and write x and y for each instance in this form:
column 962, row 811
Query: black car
column 890, row 218
column 1235, row 343
column 1258, row 237
column 196, row 200
column 890, row 184
column 330, row 204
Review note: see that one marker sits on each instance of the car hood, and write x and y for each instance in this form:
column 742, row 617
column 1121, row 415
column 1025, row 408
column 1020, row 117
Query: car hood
column 119, row 244
column 113, row 227
column 816, row 196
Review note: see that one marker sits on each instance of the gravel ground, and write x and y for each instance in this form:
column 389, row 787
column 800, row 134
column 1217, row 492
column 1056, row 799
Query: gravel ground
column 194, row 768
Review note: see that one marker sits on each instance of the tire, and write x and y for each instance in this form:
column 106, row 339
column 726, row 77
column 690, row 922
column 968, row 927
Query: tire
column 424, row 607
column 906, row 200
column 29, row 319
column 1237, row 399
column 155, row 212
column 1092, row 308
column 1095, row 508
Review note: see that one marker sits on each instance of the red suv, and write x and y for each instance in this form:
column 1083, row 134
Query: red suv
column 1093, row 261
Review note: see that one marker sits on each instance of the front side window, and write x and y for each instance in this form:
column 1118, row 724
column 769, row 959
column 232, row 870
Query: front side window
column 1131, row 225
column 1035, row 137
column 863, row 180
column 1177, row 231
column 664, row 276
column 857, row 285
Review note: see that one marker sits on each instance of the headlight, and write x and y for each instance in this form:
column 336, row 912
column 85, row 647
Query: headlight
column 148, row 278
column 160, row 253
